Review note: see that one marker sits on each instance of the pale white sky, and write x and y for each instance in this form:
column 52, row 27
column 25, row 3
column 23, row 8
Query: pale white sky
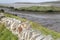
column 12, row 1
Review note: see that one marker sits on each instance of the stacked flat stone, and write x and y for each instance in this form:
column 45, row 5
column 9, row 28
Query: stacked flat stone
column 23, row 30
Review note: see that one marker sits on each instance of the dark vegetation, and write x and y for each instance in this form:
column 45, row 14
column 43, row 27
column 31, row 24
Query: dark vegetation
column 1, row 10
column 11, row 7
column 40, row 9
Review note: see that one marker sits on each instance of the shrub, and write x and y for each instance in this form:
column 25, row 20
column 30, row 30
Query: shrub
column 12, row 7
column 49, row 10
column 22, row 9
column 15, row 14
column 16, row 9
column 1, row 10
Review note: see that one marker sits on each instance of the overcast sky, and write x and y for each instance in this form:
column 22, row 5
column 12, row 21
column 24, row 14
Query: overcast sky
column 12, row 1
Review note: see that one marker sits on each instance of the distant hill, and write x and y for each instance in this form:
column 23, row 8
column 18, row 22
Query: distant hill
column 54, row 2
column 28, row 4
column 24, row 3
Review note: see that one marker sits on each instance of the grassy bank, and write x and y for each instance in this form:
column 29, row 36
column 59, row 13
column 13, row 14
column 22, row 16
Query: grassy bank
column 37, row 26
column 40, row 9
column 5, row 34
column 45, row 31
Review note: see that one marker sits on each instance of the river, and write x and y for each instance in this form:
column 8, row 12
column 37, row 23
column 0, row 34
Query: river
column 51, row 21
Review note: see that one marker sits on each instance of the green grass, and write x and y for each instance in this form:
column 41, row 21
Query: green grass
column 40, row 8
column 5, row 34
column 12, row 16
column 38, row 27
column 1, row 6
column 44, row 30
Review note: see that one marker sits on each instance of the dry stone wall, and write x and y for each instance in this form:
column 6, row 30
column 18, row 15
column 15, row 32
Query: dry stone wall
column 23, row 30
